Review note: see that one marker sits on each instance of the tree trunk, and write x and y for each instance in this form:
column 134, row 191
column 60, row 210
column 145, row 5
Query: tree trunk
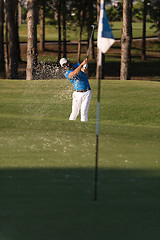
column 7, row 47
column 81, row 21
column 59, row 30
column 92, row 48
column 11, row 8
column 19, row 12
column 2, row 64
column 79, row 43
column 35, row 33
column 144, row 30
column 126, row 41
column 32, row 39
column 17, row 38
column 42, row 26
column 64, row 30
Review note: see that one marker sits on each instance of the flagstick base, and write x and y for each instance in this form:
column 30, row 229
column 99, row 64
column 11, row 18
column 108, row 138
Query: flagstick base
column 96, row 169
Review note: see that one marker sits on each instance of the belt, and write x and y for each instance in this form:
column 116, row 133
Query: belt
column 83, row 90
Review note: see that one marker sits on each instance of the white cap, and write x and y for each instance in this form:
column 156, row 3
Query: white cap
column 63, row 61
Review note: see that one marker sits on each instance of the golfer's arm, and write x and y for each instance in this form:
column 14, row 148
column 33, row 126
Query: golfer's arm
column 76, row 71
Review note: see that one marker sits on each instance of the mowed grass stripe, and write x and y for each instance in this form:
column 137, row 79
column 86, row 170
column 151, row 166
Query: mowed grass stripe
column 47, row 162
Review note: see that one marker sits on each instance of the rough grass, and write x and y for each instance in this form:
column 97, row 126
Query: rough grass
column 47, row 162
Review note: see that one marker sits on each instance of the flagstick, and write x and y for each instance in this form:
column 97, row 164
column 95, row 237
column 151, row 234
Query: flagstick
column 97, row 127
column 105, row 40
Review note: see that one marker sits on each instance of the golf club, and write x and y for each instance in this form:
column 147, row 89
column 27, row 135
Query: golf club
column 86, row 65
column 92, row 26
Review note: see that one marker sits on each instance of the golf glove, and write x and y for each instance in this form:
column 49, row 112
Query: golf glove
column 85, row 66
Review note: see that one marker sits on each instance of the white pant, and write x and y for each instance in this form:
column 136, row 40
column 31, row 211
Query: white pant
column 81, row 101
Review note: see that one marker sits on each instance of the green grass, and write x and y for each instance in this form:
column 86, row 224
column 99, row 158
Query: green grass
column 47, row 162
column 51, row 31
column 136, row 28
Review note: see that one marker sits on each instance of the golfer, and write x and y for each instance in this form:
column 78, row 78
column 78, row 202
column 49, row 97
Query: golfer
column 82, row 91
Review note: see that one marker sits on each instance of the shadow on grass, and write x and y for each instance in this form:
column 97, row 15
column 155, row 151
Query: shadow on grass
column 58, row 204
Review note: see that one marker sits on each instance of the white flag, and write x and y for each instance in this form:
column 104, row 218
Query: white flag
column 105, row 37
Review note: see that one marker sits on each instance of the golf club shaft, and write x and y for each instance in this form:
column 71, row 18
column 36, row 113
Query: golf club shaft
column 90, row 41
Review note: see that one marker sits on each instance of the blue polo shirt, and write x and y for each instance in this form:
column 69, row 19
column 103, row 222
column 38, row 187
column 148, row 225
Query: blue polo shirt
column 80, row 81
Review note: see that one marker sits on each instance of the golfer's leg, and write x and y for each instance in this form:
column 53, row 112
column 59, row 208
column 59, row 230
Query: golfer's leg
column 76, row 103
column 85, row 106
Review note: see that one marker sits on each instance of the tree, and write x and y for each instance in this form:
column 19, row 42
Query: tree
column 2, row 64
column 19, row 12
column 17, row 37
column 126, row 41
column 64, row 28
column 32, row 39
column 7, row 45
column 152, row 8
column 144, row 30
column 82, row 14
column 140, row 12
column 155, row 15
column 11, row 9
column 59, row 29
column 45, row 7
column 115, row 12
column 137, row 10
column 81, row 18
column 42, row 25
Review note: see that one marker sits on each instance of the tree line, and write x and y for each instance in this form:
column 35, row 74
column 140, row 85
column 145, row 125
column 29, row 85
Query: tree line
column 83, row 13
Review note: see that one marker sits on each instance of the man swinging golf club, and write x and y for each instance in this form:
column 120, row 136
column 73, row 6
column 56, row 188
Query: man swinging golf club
column 82, row 91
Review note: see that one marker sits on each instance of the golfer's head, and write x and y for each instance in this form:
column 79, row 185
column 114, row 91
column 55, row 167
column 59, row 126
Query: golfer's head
column 65, row 63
